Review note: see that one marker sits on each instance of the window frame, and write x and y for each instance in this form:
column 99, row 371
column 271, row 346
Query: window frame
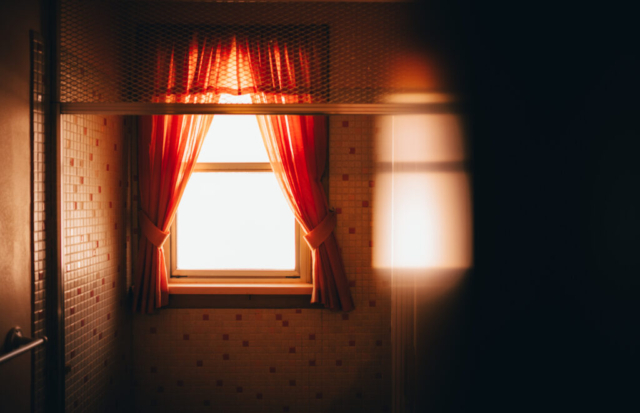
column 301, row 274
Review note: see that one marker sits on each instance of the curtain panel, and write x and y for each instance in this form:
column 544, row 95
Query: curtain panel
column 276, row 69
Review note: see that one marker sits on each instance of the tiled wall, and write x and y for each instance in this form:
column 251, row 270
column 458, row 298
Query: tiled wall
column 282, row 360
column 97, row 320
column 41, row 204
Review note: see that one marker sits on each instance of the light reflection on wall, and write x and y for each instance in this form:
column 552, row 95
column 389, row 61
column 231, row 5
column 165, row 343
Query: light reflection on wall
column 422, row 196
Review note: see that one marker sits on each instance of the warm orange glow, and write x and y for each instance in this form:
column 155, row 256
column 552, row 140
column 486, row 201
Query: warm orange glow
column 422, row 197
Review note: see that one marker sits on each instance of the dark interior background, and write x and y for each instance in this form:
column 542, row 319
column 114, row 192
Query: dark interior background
column 550, row 311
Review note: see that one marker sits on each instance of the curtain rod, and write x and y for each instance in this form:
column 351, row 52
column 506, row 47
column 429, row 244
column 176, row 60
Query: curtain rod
column 257, row 109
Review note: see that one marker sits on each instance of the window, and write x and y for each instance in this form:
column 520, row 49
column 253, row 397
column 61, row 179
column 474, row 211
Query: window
column 233, row 224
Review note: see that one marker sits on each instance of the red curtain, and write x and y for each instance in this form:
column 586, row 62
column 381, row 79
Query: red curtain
column 297, row 151
column 168, row 150
column 276, row 69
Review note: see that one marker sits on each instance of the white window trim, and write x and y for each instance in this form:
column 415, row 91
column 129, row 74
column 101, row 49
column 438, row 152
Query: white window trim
column 268, row 282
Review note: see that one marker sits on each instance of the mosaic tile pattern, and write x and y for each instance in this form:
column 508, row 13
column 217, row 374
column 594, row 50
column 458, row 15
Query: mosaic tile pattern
column 97, row 320
column 282, row 360
column 41, row 199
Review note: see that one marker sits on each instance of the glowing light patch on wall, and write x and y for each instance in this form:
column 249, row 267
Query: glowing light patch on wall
column 422, row 197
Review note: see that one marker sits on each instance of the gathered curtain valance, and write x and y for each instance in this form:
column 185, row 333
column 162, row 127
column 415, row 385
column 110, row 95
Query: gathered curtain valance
column 273, row 68
column 276, row 69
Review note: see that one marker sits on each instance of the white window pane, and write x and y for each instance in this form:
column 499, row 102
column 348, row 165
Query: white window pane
column 233, row 138
column 235, row 220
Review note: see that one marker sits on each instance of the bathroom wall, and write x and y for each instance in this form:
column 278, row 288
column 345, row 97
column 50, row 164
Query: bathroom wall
column 97, row 316
column 16, row 20
column 283, row 360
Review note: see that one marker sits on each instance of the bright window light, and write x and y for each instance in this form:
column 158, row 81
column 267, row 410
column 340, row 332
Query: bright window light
column 234, row 138
column 233, row 215
column 236, row 221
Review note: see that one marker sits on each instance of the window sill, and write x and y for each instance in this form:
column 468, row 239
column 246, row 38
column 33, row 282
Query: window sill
column 240, row 289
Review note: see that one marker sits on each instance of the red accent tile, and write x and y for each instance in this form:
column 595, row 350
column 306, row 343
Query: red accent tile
column 91, row 293
column 259, row 396
column 292, row 350
column 82, row 323
column 352, row 343
column 90, row 197
column 278, row 316
column 91, row 157
column 110, row 204
column 338, row 363
column 95, row 331
column 371, row 184
column 71, row 162
column 345, row 123
column 352, row 230
column 372, row 303
column 97, row 142
column 99, row 189
column 285, row 323
column 238, row 317
column 115, row 146
column 338, row 211
column 205, row 317
column 113, row 284
column 365, row 204
column 81, row 180
column 107, row 167
column 84, row 131
column 72, row 310
column 225, row 337
column 245, row 344
column 352, row 283
column 272, row 369
column 79, row 291
column 73, row 353
column 345, row 177
column 41, row 274
column 370, row 244
column 219, row 383
column 225, row 357
column 97, row 299
column 292, row 382
column 104, row 121
column 199, row 363
column 298, row 311
column 185, row 336
column 352, row 150
column 312, row 363
column 345, row 316
column 115, row 226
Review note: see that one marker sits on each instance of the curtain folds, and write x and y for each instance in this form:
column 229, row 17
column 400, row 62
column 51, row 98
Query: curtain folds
column 297, row 151
column 272, row 69
column 168, row 147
